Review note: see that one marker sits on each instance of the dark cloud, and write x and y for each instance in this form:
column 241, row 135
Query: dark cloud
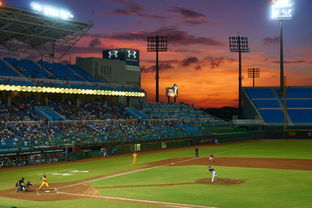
column 270, row 40
column 178, row 50
column 95, row 42
column 195, row 22
column 198, row 67
column 132, row 8
column 190, row 60
column 291, row 62
column 187, row 12
column 212, row 62
column 175, row 37
column 123, row 12
column 162, row 67
column 215, row 62
column 85, row 50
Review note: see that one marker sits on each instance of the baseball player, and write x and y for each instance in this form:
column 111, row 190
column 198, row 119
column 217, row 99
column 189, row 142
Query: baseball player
column 211, row 158
column 44, row 181
column 20, row 184
column 213, row 173
column 27, row 186
column 135, row 156
column 196, row 152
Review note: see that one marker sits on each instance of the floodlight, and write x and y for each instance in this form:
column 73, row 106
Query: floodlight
column 282, row 10
column 51, row 11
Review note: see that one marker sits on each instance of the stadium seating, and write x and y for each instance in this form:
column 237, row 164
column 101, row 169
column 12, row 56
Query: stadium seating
column 6, row 71
column 269, row 103
column 28, row 68
column 82, row 73
column 173, row 111
column 28, row 73
column 61, row 71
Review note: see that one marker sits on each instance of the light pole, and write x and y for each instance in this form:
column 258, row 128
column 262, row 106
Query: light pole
column 240, row 45
column 281, row 10
column 253, row 73
column 157, row 44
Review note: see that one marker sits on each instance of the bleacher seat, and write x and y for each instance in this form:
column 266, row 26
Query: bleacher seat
column 6, row 71
column 28, row 68
column 272, row 116
column 60, row 71
column 82, row 73
column 260, row 93
column 270, row 105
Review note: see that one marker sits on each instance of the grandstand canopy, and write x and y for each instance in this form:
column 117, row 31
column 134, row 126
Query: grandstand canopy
column 25, row 32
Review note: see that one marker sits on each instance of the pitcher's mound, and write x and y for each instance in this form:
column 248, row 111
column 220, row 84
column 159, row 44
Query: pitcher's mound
column 220, row 181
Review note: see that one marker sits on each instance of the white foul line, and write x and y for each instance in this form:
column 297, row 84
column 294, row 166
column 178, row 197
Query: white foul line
column 167, row 204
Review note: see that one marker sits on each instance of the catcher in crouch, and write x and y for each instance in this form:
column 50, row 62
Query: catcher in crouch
column 44, row 181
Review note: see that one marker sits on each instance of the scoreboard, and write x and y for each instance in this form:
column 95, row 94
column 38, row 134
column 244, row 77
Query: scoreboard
column 130, row 56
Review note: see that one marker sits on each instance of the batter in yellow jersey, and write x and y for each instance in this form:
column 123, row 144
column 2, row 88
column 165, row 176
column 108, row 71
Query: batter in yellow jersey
column 44, row 181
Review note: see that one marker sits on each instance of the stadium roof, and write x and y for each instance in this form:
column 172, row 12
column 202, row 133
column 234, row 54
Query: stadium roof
column 25, row 32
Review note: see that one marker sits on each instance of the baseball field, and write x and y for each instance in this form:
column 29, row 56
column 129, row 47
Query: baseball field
column 263, row 173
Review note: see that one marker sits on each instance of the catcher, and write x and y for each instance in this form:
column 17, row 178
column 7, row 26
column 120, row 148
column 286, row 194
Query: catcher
column 20, row 184
column 44, row 181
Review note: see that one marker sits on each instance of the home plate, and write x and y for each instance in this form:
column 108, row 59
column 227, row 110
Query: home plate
column 47, row 191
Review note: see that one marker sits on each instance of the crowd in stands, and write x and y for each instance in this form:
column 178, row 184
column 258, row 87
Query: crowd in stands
column 18, row 111
column 90, row 123
column 89, row 110
column 18, row 135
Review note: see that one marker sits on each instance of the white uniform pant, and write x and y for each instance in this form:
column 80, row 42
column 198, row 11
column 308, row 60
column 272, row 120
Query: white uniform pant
column 213, row 175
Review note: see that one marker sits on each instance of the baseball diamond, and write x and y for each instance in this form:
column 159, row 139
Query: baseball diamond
column 231, row 173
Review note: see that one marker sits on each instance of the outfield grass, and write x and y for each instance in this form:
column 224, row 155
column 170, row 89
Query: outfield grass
column 263, row 187
column 282, row 188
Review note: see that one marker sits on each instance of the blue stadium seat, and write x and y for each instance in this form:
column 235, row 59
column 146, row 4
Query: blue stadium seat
column 28, row 68
column 266, row 103
column 301, row 116
column 272, row 116
column 6, row 71
column 60, row 71
column 82, row 73
column 260, row 93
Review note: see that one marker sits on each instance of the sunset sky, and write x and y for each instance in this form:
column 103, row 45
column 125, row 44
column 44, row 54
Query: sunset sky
column 198, row 59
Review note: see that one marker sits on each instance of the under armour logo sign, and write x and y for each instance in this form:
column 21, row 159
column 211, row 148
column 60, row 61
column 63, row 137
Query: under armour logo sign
column 112, row 54
column 132, row 54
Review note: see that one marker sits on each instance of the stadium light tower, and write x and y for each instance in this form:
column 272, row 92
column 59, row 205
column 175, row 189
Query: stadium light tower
column 253, row 73
column 240, row 45
column 282, row 10
column 157, row 44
